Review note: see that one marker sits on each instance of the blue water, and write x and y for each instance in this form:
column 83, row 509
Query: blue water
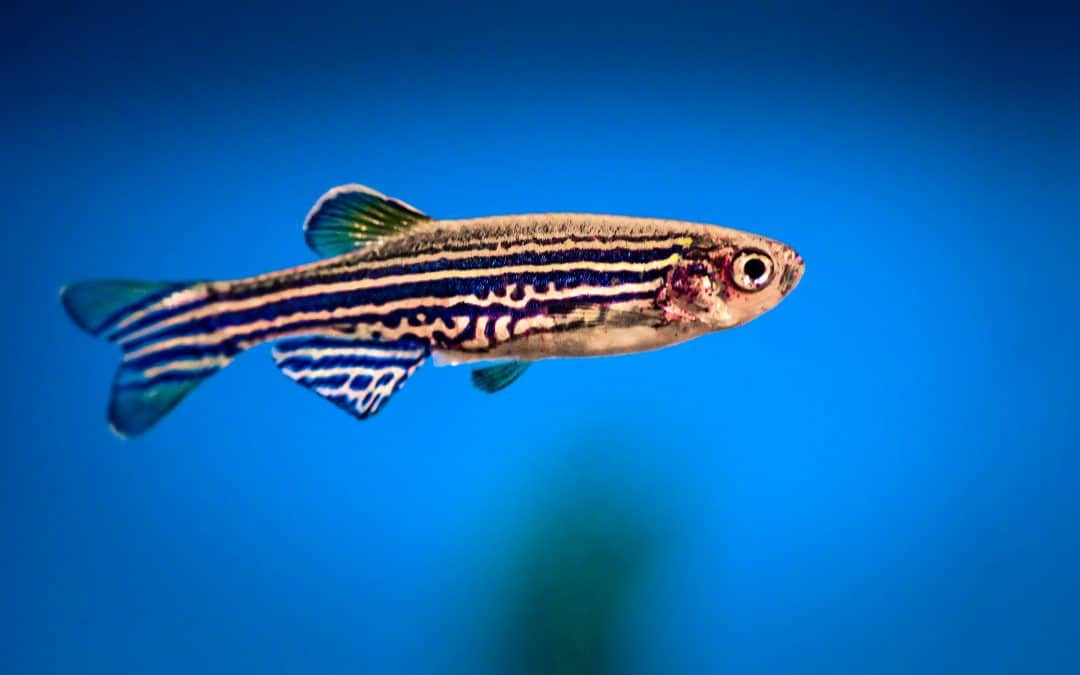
column 880, row 475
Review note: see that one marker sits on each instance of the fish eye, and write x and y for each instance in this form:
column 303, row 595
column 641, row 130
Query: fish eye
column 751, row 270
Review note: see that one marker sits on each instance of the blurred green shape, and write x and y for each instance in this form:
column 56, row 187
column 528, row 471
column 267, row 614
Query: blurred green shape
column 573, row 577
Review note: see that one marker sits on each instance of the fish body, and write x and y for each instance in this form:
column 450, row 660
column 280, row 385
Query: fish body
column 396, row 286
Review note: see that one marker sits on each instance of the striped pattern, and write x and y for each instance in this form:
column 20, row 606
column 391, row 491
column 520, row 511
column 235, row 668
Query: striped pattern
column 358, row 377
column 396, row 287
column 466, row 287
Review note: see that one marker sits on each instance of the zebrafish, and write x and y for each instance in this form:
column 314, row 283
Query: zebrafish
column 395, row 286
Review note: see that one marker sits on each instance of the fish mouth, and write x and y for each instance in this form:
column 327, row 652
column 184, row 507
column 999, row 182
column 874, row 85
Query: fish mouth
column 792, row 274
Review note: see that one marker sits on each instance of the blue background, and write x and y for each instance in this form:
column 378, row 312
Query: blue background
column 881, row 475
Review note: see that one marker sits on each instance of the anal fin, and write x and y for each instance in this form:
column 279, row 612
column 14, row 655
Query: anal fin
column 357, row 376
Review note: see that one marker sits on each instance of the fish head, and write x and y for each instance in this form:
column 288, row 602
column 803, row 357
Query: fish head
column 728, row 278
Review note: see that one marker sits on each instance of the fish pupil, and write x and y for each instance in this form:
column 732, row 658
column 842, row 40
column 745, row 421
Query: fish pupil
column 754, row 268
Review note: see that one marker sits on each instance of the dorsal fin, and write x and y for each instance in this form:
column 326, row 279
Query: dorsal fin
column 350, row 217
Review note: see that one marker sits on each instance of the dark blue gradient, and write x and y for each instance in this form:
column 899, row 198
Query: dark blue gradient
column 880, row 475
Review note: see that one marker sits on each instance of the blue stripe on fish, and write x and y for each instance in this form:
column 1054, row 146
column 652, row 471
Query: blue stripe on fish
column 330, row 381
column 438, row 339
column 360, row 382
column 617, row 255
column 372, row 372
column 442, row 288
column 323, row 342
column 338, row 361
column 135, row 381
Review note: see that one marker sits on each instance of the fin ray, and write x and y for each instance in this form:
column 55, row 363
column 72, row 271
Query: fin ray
column 141, row 395
column 96, row 305
column 350, row 217
column 137, row 402
column 495, row 378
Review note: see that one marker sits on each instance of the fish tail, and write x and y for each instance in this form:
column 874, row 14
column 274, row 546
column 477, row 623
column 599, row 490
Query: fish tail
column 144, row 389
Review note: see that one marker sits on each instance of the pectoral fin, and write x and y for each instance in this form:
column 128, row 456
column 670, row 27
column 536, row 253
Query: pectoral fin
column 595, row 314
column 356, row 376
column 498, row 377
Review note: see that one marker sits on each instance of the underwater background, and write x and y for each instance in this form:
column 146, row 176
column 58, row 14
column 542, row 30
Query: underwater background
column 880, row 475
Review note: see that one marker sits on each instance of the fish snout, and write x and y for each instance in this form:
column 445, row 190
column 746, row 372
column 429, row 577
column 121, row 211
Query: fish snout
column 793, row 271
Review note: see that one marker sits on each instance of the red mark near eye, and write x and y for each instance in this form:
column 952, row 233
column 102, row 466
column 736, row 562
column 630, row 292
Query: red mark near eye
column 685, row 282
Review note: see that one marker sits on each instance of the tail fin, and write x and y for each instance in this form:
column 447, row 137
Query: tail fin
column 143, row 391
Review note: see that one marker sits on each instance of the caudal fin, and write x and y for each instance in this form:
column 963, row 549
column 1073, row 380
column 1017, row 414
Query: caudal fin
column 145, row 388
